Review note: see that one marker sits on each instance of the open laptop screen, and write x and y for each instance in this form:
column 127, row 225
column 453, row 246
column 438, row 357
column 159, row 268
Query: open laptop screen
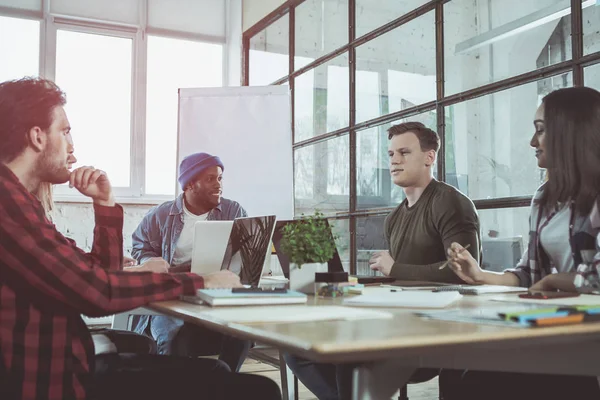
column 248, row 246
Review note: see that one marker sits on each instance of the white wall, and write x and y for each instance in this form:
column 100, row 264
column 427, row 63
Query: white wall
column 76, row 221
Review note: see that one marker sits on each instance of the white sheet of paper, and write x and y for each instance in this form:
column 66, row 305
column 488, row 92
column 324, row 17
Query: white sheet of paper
column 409, row 299
column 582, row 300
column 292, row 313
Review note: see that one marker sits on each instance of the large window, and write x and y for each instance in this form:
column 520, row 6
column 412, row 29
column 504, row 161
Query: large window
column 95, row 71
column 20, row 48
column 172, row 64
column 473, row 70
column 269, row 53
column 121, row 63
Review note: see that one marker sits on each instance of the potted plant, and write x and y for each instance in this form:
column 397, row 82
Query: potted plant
column 309, row 244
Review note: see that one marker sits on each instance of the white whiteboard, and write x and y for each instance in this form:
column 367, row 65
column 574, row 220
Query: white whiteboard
column 249, row 128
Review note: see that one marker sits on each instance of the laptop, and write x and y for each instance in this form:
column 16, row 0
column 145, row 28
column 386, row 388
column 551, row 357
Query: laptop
column 334, row 264
column 210, row 242
column 248, row 247
column 244, row 253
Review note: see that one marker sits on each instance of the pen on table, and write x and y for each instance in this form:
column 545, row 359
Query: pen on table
column 460, row 251
column 559, row 320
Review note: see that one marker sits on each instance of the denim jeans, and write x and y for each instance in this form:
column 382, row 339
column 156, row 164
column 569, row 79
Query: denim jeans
column 326, row 381
column 174, row 337
column 154, row 377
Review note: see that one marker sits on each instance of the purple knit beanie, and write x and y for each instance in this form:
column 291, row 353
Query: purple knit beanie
column 194, row 164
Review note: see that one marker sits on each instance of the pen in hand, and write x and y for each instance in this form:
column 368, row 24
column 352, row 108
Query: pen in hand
column 460, row 251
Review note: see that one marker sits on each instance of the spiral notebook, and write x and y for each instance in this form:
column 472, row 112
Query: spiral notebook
column 483, row 289
column 225, row 297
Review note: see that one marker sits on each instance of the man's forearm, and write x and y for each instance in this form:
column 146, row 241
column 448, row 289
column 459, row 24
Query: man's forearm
column 498, row 278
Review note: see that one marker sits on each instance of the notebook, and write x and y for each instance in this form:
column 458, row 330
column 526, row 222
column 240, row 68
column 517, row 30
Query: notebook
column 483, row 289
column 224, row 297
column 410, row 299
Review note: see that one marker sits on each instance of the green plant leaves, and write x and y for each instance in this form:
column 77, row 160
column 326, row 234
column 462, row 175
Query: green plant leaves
column 308, row 240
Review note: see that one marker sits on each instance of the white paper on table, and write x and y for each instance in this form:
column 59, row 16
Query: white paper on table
column 409, row 299
column 291, row 313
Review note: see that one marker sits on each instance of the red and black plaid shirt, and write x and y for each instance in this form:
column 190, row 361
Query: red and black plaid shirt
column 46, row 282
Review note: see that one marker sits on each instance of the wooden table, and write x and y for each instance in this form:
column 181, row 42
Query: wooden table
column 391, row 349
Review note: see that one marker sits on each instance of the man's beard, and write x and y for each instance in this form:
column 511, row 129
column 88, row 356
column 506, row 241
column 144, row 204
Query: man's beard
column 50, row 170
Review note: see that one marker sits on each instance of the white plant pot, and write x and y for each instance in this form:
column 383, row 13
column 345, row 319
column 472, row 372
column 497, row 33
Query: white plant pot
column 303, row 279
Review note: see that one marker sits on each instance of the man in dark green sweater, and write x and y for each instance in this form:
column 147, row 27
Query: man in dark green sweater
column 432, row 217
column 419, row 231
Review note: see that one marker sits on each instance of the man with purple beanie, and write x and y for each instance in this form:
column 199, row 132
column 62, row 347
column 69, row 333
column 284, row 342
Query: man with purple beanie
column 167, row 231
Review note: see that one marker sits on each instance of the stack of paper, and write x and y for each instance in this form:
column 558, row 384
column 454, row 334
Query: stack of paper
column 409, row 299
column 485, row 315
column 225, row 297
column 291, row 314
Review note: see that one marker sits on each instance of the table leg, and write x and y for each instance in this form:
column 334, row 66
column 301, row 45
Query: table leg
column 287, row 380
column 379, row 380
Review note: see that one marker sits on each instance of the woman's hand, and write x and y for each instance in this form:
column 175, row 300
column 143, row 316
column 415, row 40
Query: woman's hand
column 561, row 281
column 464, row 265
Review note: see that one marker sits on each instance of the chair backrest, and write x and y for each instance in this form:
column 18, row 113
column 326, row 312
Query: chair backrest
column 5, row 389
column 501, row 253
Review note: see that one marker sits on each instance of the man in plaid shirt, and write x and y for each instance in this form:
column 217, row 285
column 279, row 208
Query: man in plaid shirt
column 46, row 282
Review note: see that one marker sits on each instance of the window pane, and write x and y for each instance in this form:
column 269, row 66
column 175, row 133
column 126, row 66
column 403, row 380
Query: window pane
column 370, row 14
column 396, row 70
column 95, row 72
column 374, row 184
column 20, row 48
column 591, row 22
column 487, row 41
column 370, row 237
column 322, row 177
column 269, row 53
column 33, row 5
column 488, row 139
column 321, row 27
column 504, row 236
column 304, row 180
column 173, row 64
column 315, row 111
column 591, row 75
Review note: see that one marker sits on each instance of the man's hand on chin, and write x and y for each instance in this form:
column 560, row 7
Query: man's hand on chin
column 94, row 183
